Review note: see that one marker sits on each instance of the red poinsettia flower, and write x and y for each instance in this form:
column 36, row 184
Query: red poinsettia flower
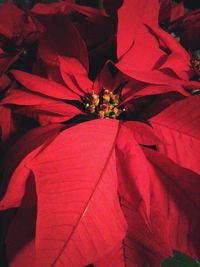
column 105, row 192
column 136, row 206
column 72, row 189
column 40, row 94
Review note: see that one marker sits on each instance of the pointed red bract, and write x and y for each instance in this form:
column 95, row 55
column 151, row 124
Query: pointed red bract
column 39, row 107
column 131, row 15
column 177, row 11
column 75, row 76
column 76, row 186
column 144, row 53
column 169, row 11
column 147, row 59
column 134, row 90
column 60, row 38
column 105, row 80
column 150, row 54
column 6, row 60
column 173, row 205
column 43, row 86
column 142, row 133
column 179, row 128
column 11, row 20
column 15, row 163
column 178, row 60
column 141, row 245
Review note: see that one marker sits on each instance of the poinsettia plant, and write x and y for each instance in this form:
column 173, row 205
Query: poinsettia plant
column 99, row 134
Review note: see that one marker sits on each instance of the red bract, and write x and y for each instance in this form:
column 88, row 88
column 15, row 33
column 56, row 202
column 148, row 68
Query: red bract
column 149, row 54
column 60, row 38
column 77, row 216
column 169, row 11
column 17, row 26
column 11, row 29
column 74, row 21
column 165, row 62
column 155, row 197
column 183, row 127
column 81, row 17
column 48, row 101
column 131, row 16
column 187, row 28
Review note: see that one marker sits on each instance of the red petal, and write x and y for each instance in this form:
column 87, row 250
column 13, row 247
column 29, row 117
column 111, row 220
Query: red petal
column 61, row 38
column 44, row 117
column 179, row 128
column 11, row 19
column 142, row 133
column 43, row 86
column 17, row 158
column 106, row 80
column 135, row 89
column 135, row 178
column 174, row 205
column 75, row 76
column 6, row 60
column 177, row 11
column 152, row 77
column 141, row 245
column 44, row 109
column 131, row 16
column 144, row 53
column 77, row 186
column 178, row 59
column 4, row 82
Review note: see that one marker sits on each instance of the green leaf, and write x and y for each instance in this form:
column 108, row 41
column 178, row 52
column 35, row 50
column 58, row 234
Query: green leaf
column 180, row 259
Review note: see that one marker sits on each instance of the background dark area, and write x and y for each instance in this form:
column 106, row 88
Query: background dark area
column 190, row 4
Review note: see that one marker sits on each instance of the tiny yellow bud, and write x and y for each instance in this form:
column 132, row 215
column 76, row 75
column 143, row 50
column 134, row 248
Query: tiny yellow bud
column 105, row 107
column 92, row 108
column 116, row 111
column 106, row 97
column 95, row 96
column 101, row 114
